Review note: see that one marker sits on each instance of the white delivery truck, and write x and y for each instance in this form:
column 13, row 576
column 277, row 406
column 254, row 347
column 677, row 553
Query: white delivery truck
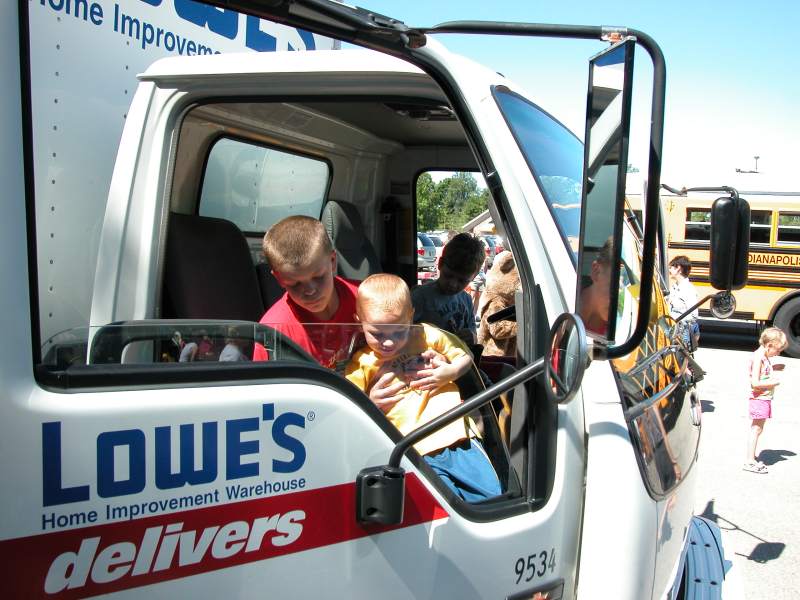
column 127, row 472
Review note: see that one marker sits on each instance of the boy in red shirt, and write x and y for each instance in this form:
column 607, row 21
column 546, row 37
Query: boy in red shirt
column 303, row 262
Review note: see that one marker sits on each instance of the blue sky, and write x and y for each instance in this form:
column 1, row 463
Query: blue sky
column 732, row 75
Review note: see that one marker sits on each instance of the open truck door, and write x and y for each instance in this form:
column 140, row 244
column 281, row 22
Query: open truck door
column 281, row 477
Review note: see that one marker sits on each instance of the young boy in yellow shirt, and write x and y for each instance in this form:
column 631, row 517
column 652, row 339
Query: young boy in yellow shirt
column 409, row 373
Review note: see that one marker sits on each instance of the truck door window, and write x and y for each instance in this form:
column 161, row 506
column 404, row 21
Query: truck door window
column 254, row 186
column 554, row 156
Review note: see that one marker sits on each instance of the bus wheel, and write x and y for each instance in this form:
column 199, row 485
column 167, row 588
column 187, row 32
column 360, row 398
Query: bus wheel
column 788, row 319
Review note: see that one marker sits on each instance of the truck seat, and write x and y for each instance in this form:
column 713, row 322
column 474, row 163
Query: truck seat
column 356, row 255
column 271, row 290
column 209, row 273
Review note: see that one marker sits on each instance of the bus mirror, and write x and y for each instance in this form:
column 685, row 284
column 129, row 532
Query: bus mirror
column 722, row 305
column 608, row 116
column 730, row 241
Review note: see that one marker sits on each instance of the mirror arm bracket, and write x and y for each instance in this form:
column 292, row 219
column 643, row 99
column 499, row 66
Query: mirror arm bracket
column 380, row 490
column 683, row 191
column 596, row 349
column 524, row 374
column 688, row 311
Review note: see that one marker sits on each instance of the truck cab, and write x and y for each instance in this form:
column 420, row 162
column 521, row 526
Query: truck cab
column 168, row 478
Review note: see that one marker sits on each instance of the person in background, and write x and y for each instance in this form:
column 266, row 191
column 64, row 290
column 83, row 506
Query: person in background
column 476, row 288
column 682, row 296
column 172, row 349
column 594, row 298
column 478, row 284
column 303, row 261
column 205, row 347
column 762, row 389
column 502, row 281
column 443, row 302
column 188, row 352
column 232, row 352
column 409, row 373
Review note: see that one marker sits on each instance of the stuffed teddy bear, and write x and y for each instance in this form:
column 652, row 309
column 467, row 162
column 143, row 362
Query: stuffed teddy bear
column 502, row 280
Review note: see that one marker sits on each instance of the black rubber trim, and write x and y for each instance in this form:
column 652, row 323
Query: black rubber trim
column 30, row 187
column 85, row 377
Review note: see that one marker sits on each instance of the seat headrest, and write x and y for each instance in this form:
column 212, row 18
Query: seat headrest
column 357, row 258
column 209, row 273
column 343, row 224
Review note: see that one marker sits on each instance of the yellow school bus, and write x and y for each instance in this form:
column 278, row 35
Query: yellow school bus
column 772, row 293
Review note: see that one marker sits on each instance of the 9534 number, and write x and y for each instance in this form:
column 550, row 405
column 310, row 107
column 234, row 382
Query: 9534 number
column 535, row 565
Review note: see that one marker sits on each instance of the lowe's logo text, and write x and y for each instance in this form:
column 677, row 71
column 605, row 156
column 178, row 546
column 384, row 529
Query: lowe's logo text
column 244, row 440
column 257, row 34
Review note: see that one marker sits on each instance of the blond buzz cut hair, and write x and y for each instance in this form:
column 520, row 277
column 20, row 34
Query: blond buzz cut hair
column 296, row 242
column 384, row 293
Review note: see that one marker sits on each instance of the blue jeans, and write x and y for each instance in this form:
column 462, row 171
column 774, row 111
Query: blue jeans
column 690, row 334
column 466, row 470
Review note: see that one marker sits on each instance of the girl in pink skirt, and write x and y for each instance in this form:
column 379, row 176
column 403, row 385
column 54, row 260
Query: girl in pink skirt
column 762, row 388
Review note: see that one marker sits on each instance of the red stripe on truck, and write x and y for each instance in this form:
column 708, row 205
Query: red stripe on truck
column 125, row 554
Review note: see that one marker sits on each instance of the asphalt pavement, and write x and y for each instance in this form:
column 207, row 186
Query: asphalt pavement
column 759, row 514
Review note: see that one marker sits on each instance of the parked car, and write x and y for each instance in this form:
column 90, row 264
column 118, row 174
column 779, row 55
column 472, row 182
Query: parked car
column 426, row 253
column 438, row 241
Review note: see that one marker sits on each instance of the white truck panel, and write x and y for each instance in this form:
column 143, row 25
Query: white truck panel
column 100, row 46
column 14, row 237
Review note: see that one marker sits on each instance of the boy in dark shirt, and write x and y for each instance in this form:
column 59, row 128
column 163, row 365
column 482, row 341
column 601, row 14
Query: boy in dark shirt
column 444, row 302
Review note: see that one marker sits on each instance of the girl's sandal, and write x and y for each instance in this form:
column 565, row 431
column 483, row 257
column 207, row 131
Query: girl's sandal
column 755, row 467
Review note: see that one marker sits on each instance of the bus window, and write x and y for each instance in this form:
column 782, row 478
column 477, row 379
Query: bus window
column 789, row 228
column 698, row 224
column 760, row 226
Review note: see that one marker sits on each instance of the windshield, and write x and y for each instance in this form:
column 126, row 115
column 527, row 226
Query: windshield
column 555, row 158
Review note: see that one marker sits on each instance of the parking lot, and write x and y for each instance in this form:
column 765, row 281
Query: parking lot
column 758, row 513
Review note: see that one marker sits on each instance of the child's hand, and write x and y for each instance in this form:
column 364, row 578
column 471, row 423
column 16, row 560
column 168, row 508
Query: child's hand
column 437, row 373
column 385, row 394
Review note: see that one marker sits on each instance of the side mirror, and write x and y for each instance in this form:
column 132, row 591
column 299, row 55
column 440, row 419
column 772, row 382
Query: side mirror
column 602, row 203
column 730, row 242
column 566, row 358
column 722, row 305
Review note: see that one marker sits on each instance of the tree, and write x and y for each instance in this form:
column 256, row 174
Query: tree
column 428, row 213
column 450, row 203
